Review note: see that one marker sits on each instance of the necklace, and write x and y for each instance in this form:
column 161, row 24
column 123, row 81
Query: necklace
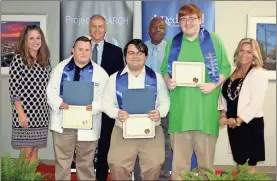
column 237, row 91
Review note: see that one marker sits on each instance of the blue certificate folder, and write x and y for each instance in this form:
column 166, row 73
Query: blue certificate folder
column 78, row 93
column 138, row 101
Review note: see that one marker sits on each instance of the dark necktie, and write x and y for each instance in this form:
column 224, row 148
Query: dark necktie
column 94, row 53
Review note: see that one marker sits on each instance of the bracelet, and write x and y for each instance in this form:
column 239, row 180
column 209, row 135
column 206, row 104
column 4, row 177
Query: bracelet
column 237, row 123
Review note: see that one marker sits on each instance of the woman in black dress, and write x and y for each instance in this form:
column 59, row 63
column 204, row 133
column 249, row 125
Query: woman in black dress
column 28, row 78
column 241, row 103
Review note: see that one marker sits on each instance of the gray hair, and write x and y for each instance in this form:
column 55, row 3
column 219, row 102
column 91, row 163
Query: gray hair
column 95, row 16
column 158, row 17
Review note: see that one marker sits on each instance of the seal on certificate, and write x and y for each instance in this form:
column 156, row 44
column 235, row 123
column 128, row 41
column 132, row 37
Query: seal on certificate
column 195, row 80
column 85, row 123
column 147, row 131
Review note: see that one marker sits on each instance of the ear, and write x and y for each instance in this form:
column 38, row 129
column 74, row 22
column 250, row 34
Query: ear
column 105, row 28
column 90, row 54
column 89, row 28
column 72, row 50
column 201, row 20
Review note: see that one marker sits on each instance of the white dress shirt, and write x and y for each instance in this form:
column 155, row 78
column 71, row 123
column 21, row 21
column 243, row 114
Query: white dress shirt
column 100, row 78
column 160, row 55
column 110, row 104
column 251, row 96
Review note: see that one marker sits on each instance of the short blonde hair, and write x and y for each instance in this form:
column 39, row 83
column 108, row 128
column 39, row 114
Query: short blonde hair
column 258, row 60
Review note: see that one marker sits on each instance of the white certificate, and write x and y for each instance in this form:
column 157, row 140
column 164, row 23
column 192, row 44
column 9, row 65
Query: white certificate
column 188, row 73
column 77, row 117
column 138, row 126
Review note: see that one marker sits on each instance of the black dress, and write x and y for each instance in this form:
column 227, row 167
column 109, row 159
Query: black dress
column 247, row 140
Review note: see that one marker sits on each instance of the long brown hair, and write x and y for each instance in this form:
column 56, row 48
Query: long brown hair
column 23, row 50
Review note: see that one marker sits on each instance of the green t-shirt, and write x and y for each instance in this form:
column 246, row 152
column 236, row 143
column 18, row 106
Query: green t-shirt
column 190, row 109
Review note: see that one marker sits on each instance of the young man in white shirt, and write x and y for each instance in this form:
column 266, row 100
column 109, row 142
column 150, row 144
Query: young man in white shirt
column 123, row 152
column 78, row 67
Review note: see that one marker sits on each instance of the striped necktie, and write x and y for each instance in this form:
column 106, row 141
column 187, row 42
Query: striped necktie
column 94, row 54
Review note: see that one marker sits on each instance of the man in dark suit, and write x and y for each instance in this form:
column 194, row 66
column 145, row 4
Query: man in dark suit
column 110, row 57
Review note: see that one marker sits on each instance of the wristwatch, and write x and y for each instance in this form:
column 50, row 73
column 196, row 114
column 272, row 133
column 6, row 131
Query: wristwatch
column 238, row 123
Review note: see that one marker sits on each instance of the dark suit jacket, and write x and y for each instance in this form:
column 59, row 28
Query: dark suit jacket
column 112, row 58
column 112, row 61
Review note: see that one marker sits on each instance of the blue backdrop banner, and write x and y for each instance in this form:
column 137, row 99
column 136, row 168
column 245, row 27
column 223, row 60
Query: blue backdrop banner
column 168, row 10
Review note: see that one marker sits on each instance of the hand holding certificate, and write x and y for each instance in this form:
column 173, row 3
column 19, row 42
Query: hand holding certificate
column 154, row 115
column 138, row 103
column 78, row 96
column 138, row 126
column 190, row 74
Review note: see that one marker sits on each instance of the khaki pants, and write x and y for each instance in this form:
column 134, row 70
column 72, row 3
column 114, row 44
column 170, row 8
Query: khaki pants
column 123, row 153
column 183, row 145
column 165, row 175
column 64, row 146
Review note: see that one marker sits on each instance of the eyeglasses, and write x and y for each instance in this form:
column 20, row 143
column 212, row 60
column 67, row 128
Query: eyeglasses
column 139, row 53
column 189, row 20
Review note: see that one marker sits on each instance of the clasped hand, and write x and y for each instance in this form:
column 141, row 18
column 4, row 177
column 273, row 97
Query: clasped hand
column 231, row 122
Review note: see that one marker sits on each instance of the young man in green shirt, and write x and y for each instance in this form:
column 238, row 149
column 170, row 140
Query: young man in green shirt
column 193, row 115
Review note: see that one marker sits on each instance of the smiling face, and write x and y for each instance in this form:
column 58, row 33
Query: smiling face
column 246, row 54
column 81, row 52
column 190, row 19
column 33, row 41
column 135, row 59
column 97, row 29
column 157, row 30
column 190, row 25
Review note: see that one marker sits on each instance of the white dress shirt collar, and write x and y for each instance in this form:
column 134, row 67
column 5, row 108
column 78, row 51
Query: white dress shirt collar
column 101, row 43
column 160, row 46
column 126, row 69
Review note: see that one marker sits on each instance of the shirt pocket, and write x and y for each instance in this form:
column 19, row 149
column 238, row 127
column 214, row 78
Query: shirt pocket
column 97, row 90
